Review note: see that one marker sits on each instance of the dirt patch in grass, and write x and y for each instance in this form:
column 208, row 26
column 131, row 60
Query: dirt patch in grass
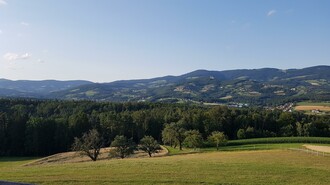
column 318, row 148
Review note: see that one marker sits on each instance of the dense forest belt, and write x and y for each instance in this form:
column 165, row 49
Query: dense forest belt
column 46, row 127
column 320, row 140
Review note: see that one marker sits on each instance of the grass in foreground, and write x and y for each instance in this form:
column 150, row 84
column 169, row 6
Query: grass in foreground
column 241, row 167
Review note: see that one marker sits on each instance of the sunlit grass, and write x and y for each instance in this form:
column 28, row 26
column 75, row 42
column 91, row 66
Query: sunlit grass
column 239, row 167
column 247, row 147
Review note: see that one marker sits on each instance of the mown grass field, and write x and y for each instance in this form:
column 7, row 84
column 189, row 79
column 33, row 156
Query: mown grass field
column 235, row 148
column 309, row 106
column 312, row 107
column 276, row 166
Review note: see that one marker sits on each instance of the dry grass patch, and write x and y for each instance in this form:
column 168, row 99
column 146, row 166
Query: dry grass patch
column 318, row 148
column 312, row 107
column 75, row 157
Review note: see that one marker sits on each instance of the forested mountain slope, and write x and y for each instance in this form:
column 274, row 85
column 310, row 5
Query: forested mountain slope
column 250, row 86
column 257, row 86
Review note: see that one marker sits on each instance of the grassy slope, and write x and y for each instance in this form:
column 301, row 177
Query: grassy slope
column 280, row 140
column 246, row 147
column 240, row 167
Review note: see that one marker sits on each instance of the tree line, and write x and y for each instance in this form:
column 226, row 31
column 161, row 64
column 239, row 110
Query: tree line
column 91, row 143
column 44, row 127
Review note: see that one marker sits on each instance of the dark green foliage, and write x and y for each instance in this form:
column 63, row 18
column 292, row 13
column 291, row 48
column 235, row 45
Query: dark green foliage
column 79, row 123
column 193, row 139
column 149, row 145
column 3, row 133
column 40, row 136
column 241, row 134
column 38, row 128
column 89, row 144
column 123, row 147
column 324, row 140
column 173, row 134
column 217, row 138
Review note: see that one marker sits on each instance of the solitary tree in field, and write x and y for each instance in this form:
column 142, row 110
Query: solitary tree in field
column 123, row 146
column 217, row 138
column 193, row 139
column 149, row 145
column 89, row 144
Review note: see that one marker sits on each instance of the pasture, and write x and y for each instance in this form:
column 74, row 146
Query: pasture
column 319, row 108
column 275, row 166
column 309, row 106
column 312, row 107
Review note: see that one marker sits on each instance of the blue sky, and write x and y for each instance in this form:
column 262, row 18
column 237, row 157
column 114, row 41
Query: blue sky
column 107, row 40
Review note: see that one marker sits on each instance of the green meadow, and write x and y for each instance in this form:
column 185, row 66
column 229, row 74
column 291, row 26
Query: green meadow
column 268, row 164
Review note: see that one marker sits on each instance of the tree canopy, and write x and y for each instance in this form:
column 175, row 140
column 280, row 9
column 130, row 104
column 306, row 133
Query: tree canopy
column 193, row 139
column 123, row 147
column 43, row 127
column 217, row 138
column 149, row 145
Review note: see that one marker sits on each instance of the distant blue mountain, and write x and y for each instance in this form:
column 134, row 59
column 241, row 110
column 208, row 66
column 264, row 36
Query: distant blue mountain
column 22, row 88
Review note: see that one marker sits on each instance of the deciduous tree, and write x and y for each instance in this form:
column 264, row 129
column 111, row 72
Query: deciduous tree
column 89, row 144
column 193, row 139
column 123, row 146
column 217, row 138
column 173, row 134
column 149, row 145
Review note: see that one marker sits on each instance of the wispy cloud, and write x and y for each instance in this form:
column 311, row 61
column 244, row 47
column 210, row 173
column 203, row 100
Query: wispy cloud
column 1, row 32
column 271, row 13
column 16, row 56
column 40, row 61
column 3, row 2
column 25, row 24
column 25, row 56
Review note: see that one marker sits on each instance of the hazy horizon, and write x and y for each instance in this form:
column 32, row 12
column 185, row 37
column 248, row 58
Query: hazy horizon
column 153, row 76
column 105, row 41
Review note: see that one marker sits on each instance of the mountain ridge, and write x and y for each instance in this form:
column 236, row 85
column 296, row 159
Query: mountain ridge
column 253, row 86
